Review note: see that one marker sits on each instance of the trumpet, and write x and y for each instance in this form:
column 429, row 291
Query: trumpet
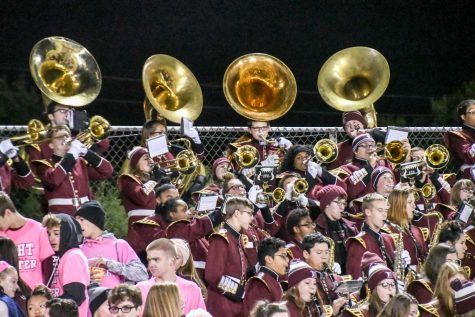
column 277, row 195
column 436, row 156
column 300, row 186
column 427, row 191
column 185, row 162
column 246, row 156
column 326, row 151
column 394, row 152
column 36, row 132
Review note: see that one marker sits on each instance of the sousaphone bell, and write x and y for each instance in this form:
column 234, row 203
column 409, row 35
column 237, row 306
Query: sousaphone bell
column 65, row 71
column 171, row 89
column 259, row 87
column 353, row 79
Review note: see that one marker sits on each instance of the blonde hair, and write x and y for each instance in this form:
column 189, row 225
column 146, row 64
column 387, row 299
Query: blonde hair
column 163, row 300
column 188, row 271
column 446, row 300
column 397, row 212
column 369, row 198
column 50, row 221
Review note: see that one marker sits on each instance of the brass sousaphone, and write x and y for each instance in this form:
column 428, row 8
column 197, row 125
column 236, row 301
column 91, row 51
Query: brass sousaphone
column 259, row 87
column 353, row 79
column 171, row 89
column 65, row 71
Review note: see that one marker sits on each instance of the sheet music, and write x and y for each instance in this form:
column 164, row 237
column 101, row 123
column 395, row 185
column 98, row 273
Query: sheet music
column 394, row 134
column 157, row 145
column 207, row 202
column 186, row 125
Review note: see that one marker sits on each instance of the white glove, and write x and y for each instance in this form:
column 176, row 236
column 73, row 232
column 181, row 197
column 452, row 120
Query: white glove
column 406, row 257
column 336, row 268
column 149, row 186
column 77, row 149
column 7, row 148
column 192, row 133
column 314, row 169
column 271, row 161
column 302, row 200
column 472, row 150
column 252, row 193
column 248, row 172
column 289, row 190
column 284, row 143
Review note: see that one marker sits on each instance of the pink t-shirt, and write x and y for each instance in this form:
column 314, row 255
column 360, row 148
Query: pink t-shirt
column 33, row 248
column 110, row 248
column 72, row 268
column 190, row 293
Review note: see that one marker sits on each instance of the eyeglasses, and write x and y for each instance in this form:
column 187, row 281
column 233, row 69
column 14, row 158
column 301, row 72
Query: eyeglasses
column 283, row 256
column 470, row 112
column 234, row 187
column 308, row 225
column 259, row 128
column 250, row 213
column 386, row 285
column 468, row 190
column 341, row 203
column 124, row 309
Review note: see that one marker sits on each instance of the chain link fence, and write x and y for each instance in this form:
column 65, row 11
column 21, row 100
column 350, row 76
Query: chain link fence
column 216, row 140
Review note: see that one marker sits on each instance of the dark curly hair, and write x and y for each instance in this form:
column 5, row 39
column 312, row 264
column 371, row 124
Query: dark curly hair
column 288, row 162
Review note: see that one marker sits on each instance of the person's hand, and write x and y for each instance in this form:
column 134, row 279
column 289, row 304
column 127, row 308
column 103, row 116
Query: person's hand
column 271, row 161
column 406, row 258
column 314, row 169
column 284, row 143
column 339, row 303
column 149, row 186
column 289, row 192
column 77, row 149
column 373, row 159
column 302, row 200
column 192, row 133
column 253, row 192
column 336, row 268
column 249, row 172
column 7, row 148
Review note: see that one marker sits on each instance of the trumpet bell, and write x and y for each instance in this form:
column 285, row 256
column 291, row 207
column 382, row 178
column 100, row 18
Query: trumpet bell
column 395, row 152
column 246, row 156
column 99, row 127
column 186, row 162
column 171, row 88
column 326, row 151
column 353, row 78
column 65, row 71
column 436, row 156
column 300, row 186
column 259, row 87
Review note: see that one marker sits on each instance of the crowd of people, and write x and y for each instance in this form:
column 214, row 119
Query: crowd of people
column 287, row 235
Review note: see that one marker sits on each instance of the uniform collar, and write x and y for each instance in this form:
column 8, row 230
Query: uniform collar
column 367, row 228
column 56, row 158
column 468, row 128
column 360, row 160
column 269, row 271
column 234, row 233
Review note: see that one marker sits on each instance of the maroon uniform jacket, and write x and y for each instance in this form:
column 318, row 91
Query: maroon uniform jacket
column 382, row 244
column 145, row 231
column 429, row 310
column 345, row 154
column 427, row 221
column 137, row 203
column 339, row 232
column 414, row 243
column 294, row 248
column 459, row 144
column 468, row 262
column 227, row 254
column 326, row 282
column 195, row 233
column 358, row 182
column 66, row 180
column 357, row 312
column 315, row 184
column 264, row 151
column 264, row 285
column 422, row 290
column 19, row 176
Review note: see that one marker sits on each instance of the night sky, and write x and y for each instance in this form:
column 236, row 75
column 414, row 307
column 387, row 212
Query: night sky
column 429, row 45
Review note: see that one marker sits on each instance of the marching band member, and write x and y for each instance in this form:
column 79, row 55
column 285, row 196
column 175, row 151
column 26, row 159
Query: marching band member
column 461, row 192
column 443, row 304
column 136, row 187
column 331, row 223
column 298, row 160
column 145, row 230
column 273, row 264
column 220, row 167
column 65, row 176
column 461, row 143
column 17, row 175
column 370, row 238
column 382, row 284
column 316, row 252
column 353, row 124
column 300, row 295
column 298, row 224
column 227, row 275
column 401, row 305
column 423, row 288
column 256, row 136
column 364, row 161
column 401, row 212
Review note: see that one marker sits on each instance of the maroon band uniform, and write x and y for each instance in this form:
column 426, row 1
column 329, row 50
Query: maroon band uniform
column 265, row 285
column 18, row 175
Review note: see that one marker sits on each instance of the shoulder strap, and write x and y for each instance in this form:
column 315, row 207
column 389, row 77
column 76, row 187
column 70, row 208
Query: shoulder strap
column 355, row 312
column 147, row 221
column 430, row 309
column 359, row 239
column 44, row 162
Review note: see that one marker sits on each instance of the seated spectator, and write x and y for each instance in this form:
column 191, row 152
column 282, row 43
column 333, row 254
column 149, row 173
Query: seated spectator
column 126, row 299
column 36, row 303
column 163, row 300
column 8, row 286
column 60, row 307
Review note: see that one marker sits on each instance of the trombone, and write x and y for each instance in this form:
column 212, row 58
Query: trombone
column 246, row 156
column 185, row 162
column 36, row 133
column 427, row 191
column 325, row 151
column 394, row 152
